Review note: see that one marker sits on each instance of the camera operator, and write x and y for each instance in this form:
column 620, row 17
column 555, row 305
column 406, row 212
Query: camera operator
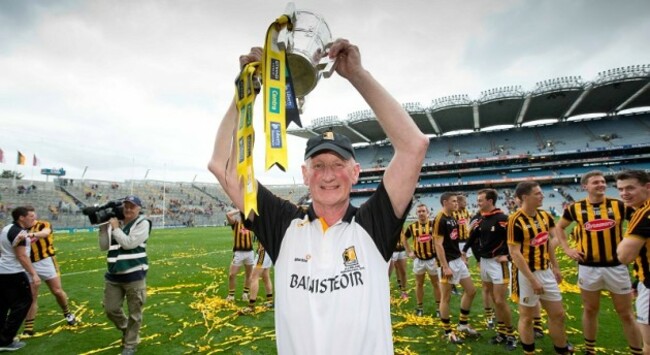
column 127, row 270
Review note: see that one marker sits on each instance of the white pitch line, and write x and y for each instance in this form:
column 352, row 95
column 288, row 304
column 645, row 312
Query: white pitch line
column 178, row 257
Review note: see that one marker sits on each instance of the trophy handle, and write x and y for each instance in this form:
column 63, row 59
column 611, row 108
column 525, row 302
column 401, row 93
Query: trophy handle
column 327, row 66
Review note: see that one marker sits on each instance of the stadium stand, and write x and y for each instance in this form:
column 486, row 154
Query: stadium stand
column 495, row 141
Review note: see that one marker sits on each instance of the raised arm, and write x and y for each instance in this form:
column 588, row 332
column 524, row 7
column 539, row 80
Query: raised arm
column 223, row 164
column 401, row 175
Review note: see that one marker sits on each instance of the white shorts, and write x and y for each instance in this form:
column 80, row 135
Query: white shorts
column 458, row 269
column 615, row 279
column 420, row 266
column 399, row 255
column 643, row 305
column 46, row 269
column 527, row 296
column 240, row 258
column 495, row 272
column 469, row 253
column 265, row 263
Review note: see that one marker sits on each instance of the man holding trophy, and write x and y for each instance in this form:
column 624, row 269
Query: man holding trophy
column 332, row 292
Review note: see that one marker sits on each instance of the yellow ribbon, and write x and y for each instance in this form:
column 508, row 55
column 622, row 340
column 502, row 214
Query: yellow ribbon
column 245, row 100
column 274, row 69
column 275, row 100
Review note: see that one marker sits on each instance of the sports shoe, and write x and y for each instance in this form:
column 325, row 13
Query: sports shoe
column 404, row 295
column 453, row 338
column 538, row 334
column 244, row 297
column 27, row 333
column 419, row 312
column 128, row 351
column 269, row 304
column 454, row 290
column 71, row 319
column 437, row 313
column 490, row 323
column 468, row 331
column 13, row 346
column 511, row 343
column 230, row 298
column 497, row 339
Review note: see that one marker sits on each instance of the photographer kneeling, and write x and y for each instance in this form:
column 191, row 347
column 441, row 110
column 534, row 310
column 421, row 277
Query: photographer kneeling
column 127, row 270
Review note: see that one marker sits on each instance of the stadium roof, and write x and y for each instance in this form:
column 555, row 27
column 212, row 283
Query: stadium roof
column 612, row 91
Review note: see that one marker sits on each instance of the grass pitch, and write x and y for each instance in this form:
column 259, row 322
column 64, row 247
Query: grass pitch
column 186, row 310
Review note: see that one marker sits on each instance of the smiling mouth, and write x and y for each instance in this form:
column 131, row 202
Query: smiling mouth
column 329, row 187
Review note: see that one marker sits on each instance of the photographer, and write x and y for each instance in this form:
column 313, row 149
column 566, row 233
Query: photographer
column 127, row 270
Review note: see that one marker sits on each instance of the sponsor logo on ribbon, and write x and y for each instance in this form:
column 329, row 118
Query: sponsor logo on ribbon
column 276, row 135
column 274, row 102
column 275, row 69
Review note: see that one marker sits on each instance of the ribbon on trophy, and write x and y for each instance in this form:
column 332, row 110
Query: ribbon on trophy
column 245, row 100
column 280, row 108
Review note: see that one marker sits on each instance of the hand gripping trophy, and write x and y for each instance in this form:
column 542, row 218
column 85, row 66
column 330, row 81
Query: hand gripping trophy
column 295, row 58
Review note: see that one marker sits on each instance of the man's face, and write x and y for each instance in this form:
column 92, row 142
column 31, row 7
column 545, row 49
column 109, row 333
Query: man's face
column 483, row 203
column 330, row 178
column 423, row 213
column 462, row 202
column 28, row 220
column 131, row 211
column 535, row 199
column 451, row 204
column 596, row 186
column 632, row 192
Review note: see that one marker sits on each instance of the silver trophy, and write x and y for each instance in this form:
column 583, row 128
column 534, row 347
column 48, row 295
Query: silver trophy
column 306, row 45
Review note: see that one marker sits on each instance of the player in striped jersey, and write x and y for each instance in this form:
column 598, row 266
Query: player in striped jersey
column 463, row 217
column 536, row 273
column 398, row 263
column 423, row 255
column 242, row 255
column 453, row 268
column 598, row 231
column 44, row 262
column 634, row 189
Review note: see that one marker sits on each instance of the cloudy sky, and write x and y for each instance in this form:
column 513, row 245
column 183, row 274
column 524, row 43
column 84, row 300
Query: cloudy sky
column 126, row 87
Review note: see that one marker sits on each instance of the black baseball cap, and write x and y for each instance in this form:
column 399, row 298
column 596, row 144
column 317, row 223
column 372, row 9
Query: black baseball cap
column 134, row 200
column 335, row 142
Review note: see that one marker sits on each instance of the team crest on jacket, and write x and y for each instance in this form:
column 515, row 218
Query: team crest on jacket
column 350, row 260
column 540, row 239
column 598, row 225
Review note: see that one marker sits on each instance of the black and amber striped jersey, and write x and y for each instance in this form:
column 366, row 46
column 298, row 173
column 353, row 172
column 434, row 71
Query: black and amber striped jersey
column 639, row 227
column 532, row 234
column 446, row 226
column 422, row 234
column 399, row 246
column 599, row 229
column 243, row 237
column 43, row 247
column 463, row 217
